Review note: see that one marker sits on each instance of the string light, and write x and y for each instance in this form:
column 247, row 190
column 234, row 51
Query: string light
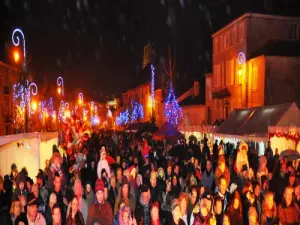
column 123, row 118
column 173, row 111
column 152, row 84
column 137, row 111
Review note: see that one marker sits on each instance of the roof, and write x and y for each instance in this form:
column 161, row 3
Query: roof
column 278, row 48
column 255, row 121
column 255, row 15
column 193, row 100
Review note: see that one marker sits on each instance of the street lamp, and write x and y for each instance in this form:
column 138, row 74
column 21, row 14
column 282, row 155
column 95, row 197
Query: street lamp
column 17, row 33
column 80, row 99
column 60, row 84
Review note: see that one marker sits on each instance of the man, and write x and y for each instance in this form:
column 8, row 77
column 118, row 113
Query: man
column 288, row 211
column 33, row 217
column 100, row 210
column 142, row 211
column 269, row 152
column 57, row 189
column 222, row 192
column 56, row 215
column 42, row 187
column 208, row 176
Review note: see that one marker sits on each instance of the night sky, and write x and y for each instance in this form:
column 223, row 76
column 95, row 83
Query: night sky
column 98, row 45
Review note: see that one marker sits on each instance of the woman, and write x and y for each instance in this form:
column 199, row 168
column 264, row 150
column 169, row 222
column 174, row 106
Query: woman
column 241, row 161
column 75, row 216
column 175, row 186
column 103, row 164
column 23, row 203
column 125, row 217
column 113, row 191
column 154, row 212
column 89, row 194
column 49, row 207
column 263, row 169
column 235, row 212
column 183, row 202
column 269, row 210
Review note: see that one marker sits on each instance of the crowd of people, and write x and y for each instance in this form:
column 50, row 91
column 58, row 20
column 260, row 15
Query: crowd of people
column 120, row 179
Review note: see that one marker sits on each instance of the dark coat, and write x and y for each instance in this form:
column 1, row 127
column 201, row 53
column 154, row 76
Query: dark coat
column 289, row 215
column 78, row 219
column 139, row 213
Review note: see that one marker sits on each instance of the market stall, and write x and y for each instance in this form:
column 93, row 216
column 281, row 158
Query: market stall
column 29, row 150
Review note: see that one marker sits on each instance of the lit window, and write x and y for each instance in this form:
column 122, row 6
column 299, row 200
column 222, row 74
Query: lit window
column 254, row 79
column 232, row 70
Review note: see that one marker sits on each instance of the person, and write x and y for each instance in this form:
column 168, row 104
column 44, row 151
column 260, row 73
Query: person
column 103, row 164
column 142, row 212
column 100, row 210
column 56, row 215
column 33, row 217
column 202, row 213
column 288, row 211
column 55, row 168
column 222, row 169
column 49, row 207
column 15, row 211
column 208, row 176
column 125, row 217
column 82, row 204
column 252, row 216
column 57, row 189
column 4, row 200
column 183, row 202
column 222, row 192
column 269, row 152
column 154, row 212
column 113, row 191
column 176, row 214
column 269, row 210
column 41, row 204
column 40, row 180
column 218, row 209
column 89, row 194
column 125, row 195
column 235, row 210
column 154, row 188
column 75, row 216
column 242, row 158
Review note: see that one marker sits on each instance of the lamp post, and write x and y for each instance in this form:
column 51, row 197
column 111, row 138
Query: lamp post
column 17, row 37
column 242, row 72
column 80, row 99
column 60, row 84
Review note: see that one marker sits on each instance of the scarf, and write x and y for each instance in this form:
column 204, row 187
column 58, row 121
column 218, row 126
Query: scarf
column 146, row 212
column 56, row 169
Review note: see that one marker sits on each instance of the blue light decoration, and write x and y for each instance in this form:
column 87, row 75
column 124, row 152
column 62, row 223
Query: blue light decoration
column 152, row 85
column 241, row 58
column 16, row 41
column 137, row 111
column 48, row 108
column 60, row 83
column 123, row 118
column 173, row 112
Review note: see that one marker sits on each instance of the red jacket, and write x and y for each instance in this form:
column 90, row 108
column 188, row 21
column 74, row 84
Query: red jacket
column 101, row 213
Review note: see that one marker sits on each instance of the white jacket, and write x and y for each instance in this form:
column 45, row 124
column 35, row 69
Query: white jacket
column 103, row 164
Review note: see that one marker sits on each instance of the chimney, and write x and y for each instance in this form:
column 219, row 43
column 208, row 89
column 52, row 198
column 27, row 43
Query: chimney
column 196, row 88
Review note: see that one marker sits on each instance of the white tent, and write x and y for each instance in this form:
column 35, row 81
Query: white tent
column 29, row 150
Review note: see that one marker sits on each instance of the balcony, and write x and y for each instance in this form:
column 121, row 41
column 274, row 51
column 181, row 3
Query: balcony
column 223, row 93
column 5, row 90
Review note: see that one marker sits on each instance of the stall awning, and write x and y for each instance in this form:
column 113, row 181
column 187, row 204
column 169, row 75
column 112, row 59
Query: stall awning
column 255, row 122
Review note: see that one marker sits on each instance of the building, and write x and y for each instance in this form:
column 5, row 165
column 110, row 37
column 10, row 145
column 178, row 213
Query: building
column 140, row 91
column 8, row 77
column 244, row 74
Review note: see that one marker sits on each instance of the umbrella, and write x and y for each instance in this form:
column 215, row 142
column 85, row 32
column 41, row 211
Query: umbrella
column 110, row 160
column 290, row 154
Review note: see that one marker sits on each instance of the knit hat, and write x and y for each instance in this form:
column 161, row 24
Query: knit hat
column 144, row 188
column 99, row 186
column 131, row 170
column 174, row 204
column 31, row 199
column 124, row 181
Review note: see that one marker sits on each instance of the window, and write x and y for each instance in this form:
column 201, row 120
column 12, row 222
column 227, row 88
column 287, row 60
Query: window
column 233, row 36
column 241, row 32
column 225, row 41
column 232, row 70
column 293, row 32
column 221, row 42
column 254, row 78
column 222, row 75
column 217, row 76
column 227, row 72
column 216, row 45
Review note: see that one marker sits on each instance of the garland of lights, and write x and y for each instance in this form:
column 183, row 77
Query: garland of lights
column 137, row 111
column 152, row 85
column 123, row 118
column 173, row 112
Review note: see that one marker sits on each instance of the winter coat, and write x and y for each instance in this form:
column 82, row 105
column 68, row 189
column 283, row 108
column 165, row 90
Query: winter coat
column 218, row 174
column 235, row 217
column 89, row 198
column 155, row 194
column 78, row 219
column 140, row 213
column 83, row 208
column 39, row 220
column 288, row 215
column 130, row 202
column 208, row 179
column 103, row 164
column 101, row 213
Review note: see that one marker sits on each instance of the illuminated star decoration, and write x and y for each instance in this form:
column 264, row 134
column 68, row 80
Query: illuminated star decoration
column 173, row 111
column 137, row 111
column 152, row 84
